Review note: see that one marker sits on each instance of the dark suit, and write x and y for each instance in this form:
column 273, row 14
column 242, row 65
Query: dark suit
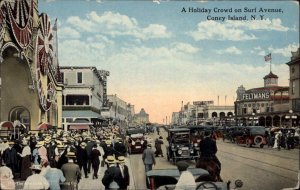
column 82, row 159
column 120, row 149
column 95, row 161
column 113, row 173
column 125, row 177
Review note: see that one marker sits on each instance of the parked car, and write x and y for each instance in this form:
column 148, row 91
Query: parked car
column 180, row 145
column 251, row 135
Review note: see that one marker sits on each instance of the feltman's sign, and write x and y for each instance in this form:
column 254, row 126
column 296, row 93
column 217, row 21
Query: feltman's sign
column 256, row 95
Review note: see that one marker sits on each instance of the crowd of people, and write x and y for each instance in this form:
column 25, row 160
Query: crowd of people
column 54, row 159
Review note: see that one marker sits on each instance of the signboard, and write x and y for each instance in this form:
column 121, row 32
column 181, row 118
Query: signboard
column 256, row 95
column 201, row 103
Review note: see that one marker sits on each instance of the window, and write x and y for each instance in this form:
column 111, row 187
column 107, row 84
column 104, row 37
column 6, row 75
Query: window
column 79, row 77
column 62, row 77
column 293, row 86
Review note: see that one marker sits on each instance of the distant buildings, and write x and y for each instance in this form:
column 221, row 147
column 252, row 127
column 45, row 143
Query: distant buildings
column 118, row 111
column 141, row 118
column 202, row 111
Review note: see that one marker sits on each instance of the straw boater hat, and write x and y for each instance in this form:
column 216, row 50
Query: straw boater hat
column 110, row 160
column 83, row 144
column 47, row 140
column 108, row 142
column 121, row 159
column 71, row 154
column 39, row 144
column 60, row 146
column 36, row 167
column 11, row 142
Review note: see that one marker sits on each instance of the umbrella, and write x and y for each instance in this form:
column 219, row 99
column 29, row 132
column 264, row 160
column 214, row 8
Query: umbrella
column 43, row 126
column 7, row 124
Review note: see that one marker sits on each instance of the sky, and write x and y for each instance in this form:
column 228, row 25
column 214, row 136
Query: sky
column 160, row 53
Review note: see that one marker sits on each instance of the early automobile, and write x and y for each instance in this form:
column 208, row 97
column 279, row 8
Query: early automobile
column 180, row 146
column 167, row 179
column 251, row 135
column 135, row 141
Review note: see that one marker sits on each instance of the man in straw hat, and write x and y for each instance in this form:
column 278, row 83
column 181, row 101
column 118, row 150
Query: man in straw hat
column 112, row 178
column 36, row 180
column 71, row 172
column 124, row 171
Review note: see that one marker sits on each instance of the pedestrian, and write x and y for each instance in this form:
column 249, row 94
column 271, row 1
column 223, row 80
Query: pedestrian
column 148, row 158
column 82, row 158
column 277, row 143
column 112, row 178
column 119, row 147
column 289, row 140
column 10, row 157
column 6, row 178
column 54, row 176
column 95, row 154
column 71, row 172
column 158, row 143
column 26, row 161
column 36, row 180
column 89, row 147
column 186, row 180
column 124, row 171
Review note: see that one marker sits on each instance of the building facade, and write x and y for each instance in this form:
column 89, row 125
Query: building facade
column 294, row 91
column 118, row 111
column 30, row 88
column 83, row 96
column 266, row 106
column 141, row 118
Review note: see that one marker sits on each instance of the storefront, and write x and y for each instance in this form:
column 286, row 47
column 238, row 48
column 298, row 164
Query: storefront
column 30, row 91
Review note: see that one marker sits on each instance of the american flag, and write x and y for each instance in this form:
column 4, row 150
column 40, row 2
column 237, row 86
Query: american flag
column 268, row 57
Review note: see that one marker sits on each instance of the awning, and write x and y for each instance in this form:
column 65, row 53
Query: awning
column 7, row 124
column 79, row 127
column 80, row 114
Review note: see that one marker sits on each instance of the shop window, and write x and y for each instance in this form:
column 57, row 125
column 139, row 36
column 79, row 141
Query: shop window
column 249, row 105
column 262, row 105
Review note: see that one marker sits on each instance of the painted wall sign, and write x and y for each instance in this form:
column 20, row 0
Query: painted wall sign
column 256, row 95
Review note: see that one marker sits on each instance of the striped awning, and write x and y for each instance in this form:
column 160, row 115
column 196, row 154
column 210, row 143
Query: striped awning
column 79, row 127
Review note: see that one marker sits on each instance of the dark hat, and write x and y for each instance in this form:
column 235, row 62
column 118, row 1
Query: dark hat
column 182, row 165
column 206, row 133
